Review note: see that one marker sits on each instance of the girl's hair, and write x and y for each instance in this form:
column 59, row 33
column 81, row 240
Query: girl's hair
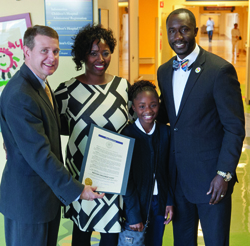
column 84, row 40
column 140, row 86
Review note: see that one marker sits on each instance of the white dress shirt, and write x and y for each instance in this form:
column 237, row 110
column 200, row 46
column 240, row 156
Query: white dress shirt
column 180, row 78
column 138, row 124
column 42, row 82
column 210, row 25
column 235, row 33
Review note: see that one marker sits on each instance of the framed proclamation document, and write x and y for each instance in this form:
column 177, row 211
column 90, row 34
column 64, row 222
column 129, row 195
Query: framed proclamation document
column 107, row 160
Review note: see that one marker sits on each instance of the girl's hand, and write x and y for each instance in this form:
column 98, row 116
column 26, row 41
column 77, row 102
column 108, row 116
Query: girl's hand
column 137, row 227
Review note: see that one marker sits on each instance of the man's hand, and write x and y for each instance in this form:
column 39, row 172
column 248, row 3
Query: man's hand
column 218, row 189
column 137, row 227
column 169, row 212
column 89, row 194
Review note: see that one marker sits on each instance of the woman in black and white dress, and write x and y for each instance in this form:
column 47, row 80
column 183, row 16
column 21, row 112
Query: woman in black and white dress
column 99, row 98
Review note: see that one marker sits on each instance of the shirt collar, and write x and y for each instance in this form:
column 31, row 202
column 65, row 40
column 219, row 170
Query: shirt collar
column 138, row 124
column 191, row 57
column 42, row 82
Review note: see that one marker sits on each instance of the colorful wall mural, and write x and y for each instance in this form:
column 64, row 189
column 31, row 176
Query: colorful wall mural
column 12, row 29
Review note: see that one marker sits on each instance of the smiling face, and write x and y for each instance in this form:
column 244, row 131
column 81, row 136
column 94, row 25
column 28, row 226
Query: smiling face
column 98, row 59
column 146, row 105
column 181, row 34
column 43, row 59
column 5, row 62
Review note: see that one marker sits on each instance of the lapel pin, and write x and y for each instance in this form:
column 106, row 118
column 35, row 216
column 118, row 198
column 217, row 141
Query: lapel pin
column 198, row 69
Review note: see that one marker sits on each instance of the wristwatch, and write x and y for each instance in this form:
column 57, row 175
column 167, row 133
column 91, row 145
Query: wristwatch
column 226, row 176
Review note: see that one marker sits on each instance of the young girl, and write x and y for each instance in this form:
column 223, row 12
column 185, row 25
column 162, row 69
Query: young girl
column 150, row 154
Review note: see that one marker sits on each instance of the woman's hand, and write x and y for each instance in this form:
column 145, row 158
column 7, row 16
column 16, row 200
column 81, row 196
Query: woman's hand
column 137, row 227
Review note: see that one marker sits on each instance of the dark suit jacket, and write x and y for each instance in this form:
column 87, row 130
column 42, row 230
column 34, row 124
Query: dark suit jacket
column 34, row 181
column 208, row 132
column 149, row 150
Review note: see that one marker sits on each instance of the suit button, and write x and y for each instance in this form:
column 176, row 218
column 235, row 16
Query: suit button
column 175, row 129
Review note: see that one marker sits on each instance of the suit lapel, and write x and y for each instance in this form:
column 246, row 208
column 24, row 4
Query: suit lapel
column 54, row 109
column 169, row 90
column 31, row 78
column 195, row 73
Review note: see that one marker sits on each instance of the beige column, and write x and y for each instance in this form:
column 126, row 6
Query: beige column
column 133, row 36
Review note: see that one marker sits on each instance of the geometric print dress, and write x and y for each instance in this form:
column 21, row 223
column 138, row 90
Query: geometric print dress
column 79, row 106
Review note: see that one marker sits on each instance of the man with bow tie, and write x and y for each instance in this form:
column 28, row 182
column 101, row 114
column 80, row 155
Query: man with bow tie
column 201, row 99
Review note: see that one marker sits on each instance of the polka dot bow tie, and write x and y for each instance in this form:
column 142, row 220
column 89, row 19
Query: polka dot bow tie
column 183, row 64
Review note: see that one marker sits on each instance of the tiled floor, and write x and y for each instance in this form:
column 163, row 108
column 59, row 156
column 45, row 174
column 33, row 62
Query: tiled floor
column 240, row 225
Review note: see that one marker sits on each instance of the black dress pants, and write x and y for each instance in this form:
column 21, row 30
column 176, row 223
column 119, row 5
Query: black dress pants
column 215, row 221
column 83, row 238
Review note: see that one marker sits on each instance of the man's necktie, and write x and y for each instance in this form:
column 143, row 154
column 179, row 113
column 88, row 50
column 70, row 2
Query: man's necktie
column 48, row 92
column 183, row 64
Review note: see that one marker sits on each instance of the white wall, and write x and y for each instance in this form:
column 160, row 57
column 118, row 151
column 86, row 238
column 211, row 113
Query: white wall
column 230, row 19
column 113, row 21
column 66, row 69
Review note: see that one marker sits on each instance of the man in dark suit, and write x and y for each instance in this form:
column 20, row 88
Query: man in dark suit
column 201, row 99
column 35, row 181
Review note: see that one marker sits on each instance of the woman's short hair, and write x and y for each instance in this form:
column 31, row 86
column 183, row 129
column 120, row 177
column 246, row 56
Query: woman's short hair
column 84, row 40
